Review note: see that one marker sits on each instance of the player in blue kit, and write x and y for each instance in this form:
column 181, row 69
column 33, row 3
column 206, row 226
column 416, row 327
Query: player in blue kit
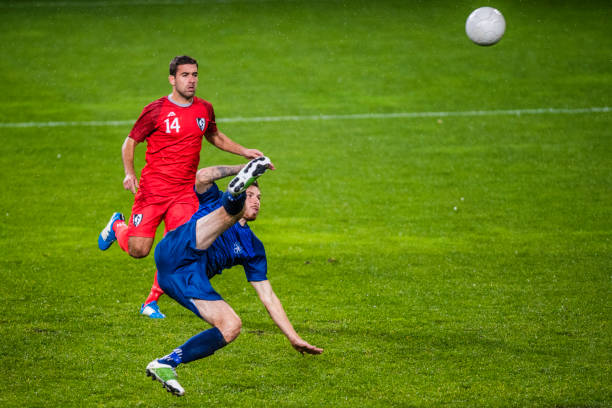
column 215, row 238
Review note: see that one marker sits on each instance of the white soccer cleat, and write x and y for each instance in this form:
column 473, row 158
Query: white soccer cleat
column 165, row 374
column 248, row 175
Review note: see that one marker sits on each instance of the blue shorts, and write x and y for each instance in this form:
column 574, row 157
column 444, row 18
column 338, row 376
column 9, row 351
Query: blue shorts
column 181, row 268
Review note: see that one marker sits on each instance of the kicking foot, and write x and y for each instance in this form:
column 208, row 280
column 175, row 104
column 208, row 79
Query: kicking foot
column 151, row 309
column 107, row 236
column 165, row 374
column 248, row 175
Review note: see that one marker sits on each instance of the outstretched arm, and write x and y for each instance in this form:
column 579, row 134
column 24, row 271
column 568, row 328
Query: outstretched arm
column 206, row 176
column 278, row 315
column 221, row 141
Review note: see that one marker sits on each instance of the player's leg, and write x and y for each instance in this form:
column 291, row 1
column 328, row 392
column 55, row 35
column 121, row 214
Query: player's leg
column 221, row 316
column 226, row 327
column 118, row 230
column 150, row 308
column 137, row 237
column 215, row 223
column 139, row 247
column 121, row 232
column 107, row 235
column 177, row 214
column 146, row 217
column 182, row 275
column 155, row 292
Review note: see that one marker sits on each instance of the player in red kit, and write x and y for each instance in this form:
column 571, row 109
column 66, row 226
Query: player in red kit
column 173, row 127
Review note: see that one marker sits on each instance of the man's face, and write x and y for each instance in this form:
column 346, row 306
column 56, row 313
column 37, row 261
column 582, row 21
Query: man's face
column 252, row 203
column 185, row 81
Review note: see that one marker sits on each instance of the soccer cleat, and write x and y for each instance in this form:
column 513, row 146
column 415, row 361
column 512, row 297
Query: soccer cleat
column 248, row 175
column 107, row 236
column 165, row 374
column 151, row 309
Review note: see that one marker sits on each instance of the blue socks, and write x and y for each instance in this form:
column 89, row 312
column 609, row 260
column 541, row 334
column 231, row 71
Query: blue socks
column 233, row 205
column 199, row 346
column 173, row 359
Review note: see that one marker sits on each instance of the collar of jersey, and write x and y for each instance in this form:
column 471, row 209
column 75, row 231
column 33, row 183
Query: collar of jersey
column 245, row 226
column 182, row 105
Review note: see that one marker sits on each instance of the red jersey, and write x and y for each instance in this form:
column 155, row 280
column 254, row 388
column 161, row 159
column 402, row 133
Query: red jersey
column 174, row 139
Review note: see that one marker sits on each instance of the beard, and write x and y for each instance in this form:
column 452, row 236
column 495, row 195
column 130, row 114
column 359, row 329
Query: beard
column 250, row 216
column 186, row 94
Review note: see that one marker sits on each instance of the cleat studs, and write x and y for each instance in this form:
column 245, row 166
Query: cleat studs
column 248, row 174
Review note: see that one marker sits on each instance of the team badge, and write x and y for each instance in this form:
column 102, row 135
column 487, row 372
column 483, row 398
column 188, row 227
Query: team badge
column 201, row 123
column 237, row 248
column 136, row 219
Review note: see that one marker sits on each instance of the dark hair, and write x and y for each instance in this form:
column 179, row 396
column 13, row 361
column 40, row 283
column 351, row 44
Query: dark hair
column 181, row 60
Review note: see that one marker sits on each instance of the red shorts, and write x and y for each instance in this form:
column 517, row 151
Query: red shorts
column 147, row 214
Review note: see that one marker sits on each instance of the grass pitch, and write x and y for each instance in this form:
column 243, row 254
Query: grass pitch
column 439, row 260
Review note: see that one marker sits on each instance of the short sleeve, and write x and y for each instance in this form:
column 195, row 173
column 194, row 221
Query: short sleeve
column 210, row 196
column 212, row 124
column 146, row 123
column 256, row 268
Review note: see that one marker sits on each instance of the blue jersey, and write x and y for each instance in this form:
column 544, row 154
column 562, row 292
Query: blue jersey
column 238, row 245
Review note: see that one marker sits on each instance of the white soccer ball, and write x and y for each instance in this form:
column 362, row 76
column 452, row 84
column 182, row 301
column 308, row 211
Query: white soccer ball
column 485, row 26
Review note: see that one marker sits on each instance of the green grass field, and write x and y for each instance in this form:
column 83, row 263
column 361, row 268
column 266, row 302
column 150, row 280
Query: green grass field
column 441, row 260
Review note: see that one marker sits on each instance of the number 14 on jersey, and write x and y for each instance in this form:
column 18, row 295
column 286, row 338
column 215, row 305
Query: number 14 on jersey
column 174, row 125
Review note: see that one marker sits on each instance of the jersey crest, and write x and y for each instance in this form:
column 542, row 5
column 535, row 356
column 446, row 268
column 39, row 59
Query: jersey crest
column 201, row 123
column 137, row 219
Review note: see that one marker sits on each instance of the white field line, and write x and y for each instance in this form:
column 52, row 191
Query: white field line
column 115, row 3
column 514, row 112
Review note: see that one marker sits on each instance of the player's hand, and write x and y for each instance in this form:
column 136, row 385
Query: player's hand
column 252, row 154
column 303, row 347
column 130, row 182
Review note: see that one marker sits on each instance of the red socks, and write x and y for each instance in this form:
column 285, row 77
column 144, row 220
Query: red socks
column 155, row 293
column 121, row 232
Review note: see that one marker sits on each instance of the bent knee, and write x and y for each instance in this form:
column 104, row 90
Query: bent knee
column 139, row 247
column 138, row 252
column 230, row 328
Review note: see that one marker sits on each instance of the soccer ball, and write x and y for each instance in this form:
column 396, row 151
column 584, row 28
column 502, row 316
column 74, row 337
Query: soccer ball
column 485, row 26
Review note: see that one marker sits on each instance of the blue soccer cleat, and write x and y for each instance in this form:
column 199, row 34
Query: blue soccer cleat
column 107, row 236
column 151, row 309
column 248, row 175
